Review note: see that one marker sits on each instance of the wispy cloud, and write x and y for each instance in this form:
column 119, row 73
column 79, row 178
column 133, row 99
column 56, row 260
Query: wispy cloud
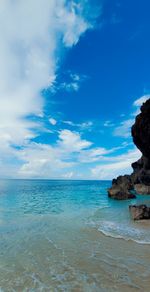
column 52, row 121
column 124, row 128
column 70, row 82
column 108, row 124
column 87, row 125
column 117, row 165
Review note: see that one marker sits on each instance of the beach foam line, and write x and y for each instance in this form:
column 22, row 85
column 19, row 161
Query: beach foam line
column 108, row 234
column 121, row 231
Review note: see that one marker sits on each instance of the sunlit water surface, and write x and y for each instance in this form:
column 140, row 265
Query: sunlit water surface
column 68, row 236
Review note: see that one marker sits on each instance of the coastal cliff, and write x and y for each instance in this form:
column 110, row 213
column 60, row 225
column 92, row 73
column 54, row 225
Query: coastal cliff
column 124, row 187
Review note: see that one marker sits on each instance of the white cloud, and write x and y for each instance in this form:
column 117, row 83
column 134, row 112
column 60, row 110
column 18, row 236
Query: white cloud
column 52, row 121
column 118, row 165
column 31, row 32
column 70, row 152
column 41, row 160
column 108, row 124
column 72, row 86
column 138, row 102
column 73, row 82
column 29, row 35
column 52, row 161
column 74, row 25
column 81, row 126
column 68, row 175
column 70, row 123
column 124, row 129
column 33, row 35
column 72, row 142
column 100, row 154
column 86, row 125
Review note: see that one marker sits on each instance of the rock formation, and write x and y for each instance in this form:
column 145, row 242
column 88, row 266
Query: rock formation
column 121, row 187
column 141, row 138
column 139, row 181
column 139, row 212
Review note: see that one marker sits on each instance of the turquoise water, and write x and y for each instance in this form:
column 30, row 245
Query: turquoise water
column 20, row 199
column 48, row 226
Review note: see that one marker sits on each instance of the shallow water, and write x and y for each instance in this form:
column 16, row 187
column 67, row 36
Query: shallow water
column 68, row 236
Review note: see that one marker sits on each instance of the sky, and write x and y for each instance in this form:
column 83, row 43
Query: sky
column 73, row 75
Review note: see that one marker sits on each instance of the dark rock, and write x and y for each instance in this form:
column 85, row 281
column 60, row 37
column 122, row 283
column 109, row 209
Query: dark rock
column 142, row 189
column 141, row 172
column 119, row 194
column 141, row 138
column 141, row 131
column 140, row 178
column 120, row 189
column 124, row 181
column 139, row 212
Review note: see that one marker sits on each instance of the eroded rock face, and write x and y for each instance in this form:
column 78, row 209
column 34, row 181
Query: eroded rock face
column 142, row 189
column 141, row 138
column 139, row 180
column 140, row 212
column 141, row 131
column 121, row 188
column 141, row 176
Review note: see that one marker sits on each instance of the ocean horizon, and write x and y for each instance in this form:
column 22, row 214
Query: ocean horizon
column 65, row 235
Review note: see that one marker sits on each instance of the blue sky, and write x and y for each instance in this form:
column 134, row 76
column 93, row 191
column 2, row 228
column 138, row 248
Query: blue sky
column 72, row 79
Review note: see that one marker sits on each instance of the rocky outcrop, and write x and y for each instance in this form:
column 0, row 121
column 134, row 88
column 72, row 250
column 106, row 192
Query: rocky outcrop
column 141, row 131
column 139, row 180
column 142, row 189
column 121, row 188
column 140, row 212
column 141, row 138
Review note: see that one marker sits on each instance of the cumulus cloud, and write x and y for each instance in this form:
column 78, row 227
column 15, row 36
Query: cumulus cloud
column 72, row 142
column 41, row 160
column 69, row 151
column 31, row 32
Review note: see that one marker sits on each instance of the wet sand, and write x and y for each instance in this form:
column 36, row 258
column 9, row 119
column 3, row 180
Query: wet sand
column 57, row 254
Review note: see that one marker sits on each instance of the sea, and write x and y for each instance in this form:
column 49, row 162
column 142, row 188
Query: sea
column 67, row 235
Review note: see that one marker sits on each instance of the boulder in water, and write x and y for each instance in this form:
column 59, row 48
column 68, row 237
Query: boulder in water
column 139, row 212
column 121, row 188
